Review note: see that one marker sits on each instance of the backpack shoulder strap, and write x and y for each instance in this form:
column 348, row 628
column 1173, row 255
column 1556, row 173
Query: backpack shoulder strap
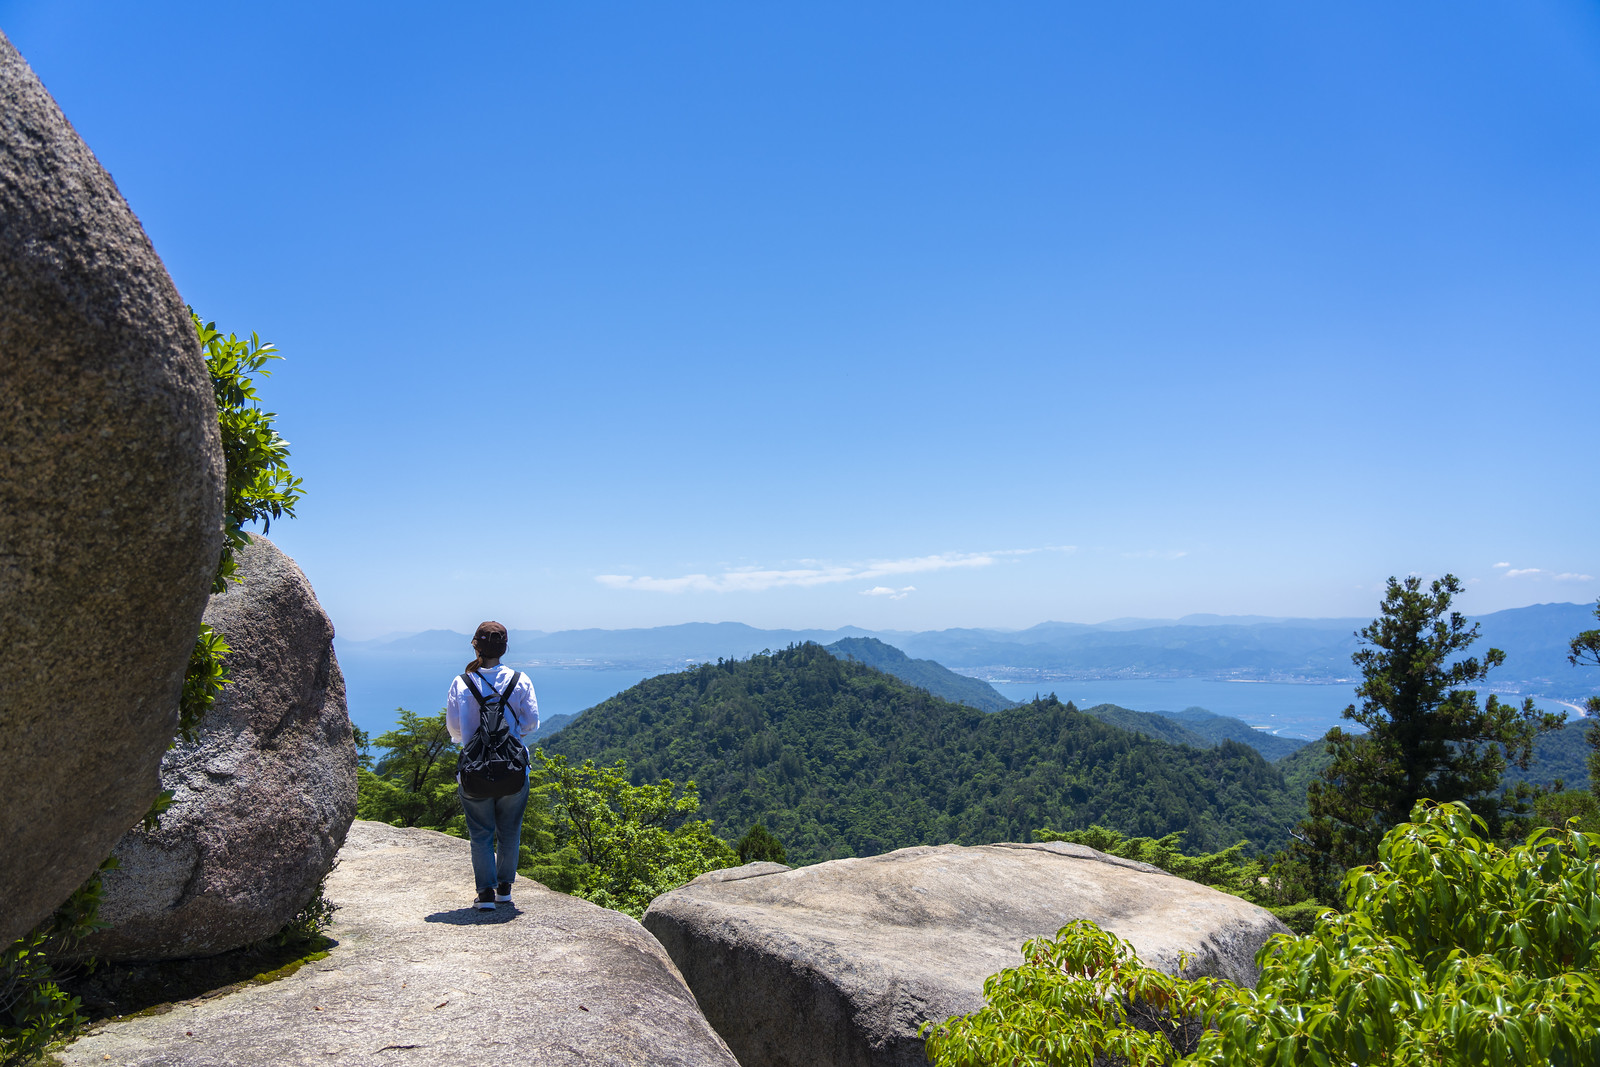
column 505, row 699
column 467, row 678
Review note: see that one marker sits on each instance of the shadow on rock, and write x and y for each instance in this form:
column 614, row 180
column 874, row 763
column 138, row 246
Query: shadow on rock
column 474, row 917
column 114, row 989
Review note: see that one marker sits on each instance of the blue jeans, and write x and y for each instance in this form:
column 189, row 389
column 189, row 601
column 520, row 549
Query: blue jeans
column 488, row 818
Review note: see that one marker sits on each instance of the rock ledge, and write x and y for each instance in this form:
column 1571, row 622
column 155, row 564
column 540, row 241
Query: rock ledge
column 418, row 977
column 839, row 963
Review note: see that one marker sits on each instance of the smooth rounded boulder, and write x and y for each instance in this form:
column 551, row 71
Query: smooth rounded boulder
column 261, row 800
column 839, row 963
column 111, row 492
column 418, row 976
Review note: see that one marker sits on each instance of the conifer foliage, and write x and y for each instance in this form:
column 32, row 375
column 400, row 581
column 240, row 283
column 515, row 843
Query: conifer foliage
column 1426, row 734
column 1586, row 652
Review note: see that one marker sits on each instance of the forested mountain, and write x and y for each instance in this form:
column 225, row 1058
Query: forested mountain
column 548, row 726
column 922, row 673
column 1559, row 754
column 1148, row 723
column 1562, row 754
column 1218, row 728
column 842, row 759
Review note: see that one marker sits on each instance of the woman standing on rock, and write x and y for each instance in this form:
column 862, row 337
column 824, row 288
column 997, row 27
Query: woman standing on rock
column 492, row 708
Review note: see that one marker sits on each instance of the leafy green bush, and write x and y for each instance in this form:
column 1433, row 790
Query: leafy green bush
column 258, row 487
column 34, row 1010
column 1078, row 997
column 308, row 924
column 414, row 782
column 1253, row 879
column 587, row 831
column 1452, row 952
column 1226, row 870
column 624, row 845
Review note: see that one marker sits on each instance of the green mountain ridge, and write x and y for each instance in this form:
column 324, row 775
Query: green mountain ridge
column 1218, row 728
column 842, row 759
column 936, row 678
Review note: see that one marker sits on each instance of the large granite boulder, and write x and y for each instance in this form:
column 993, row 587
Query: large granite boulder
column 261, row 801
column 110, row 505
column 418, row 977
column 839, row 963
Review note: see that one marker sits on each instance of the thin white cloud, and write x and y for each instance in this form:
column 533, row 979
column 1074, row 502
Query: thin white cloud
column 892, row 594
column 756, row 580
column 1525, row 572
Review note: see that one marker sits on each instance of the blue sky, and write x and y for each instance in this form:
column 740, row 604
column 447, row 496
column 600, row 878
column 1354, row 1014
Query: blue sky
column 907, row 315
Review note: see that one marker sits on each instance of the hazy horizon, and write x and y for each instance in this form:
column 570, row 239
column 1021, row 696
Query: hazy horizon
column 1129, row 622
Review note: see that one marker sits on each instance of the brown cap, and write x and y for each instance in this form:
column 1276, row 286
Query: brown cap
column 492, row 636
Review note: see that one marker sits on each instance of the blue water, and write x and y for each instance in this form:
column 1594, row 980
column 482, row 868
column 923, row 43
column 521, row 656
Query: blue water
column 1288, row 709
column 376, row 686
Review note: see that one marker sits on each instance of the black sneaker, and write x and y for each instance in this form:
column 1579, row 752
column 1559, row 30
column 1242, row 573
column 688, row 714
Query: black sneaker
column 485, row 901
column 502, row 893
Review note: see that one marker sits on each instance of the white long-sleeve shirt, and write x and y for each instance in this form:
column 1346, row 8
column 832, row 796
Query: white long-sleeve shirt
column 461, row 707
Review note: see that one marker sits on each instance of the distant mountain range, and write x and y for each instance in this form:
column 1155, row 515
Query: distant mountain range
column 1197, row 646
column 1195, row 727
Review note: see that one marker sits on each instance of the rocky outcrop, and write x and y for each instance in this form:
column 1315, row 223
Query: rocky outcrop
column 839, row 963
column 261, row 801
column 418, row 977
column 110, row 505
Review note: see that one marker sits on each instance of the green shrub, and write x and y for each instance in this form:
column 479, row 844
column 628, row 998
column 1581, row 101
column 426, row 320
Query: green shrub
column 308, row 924
column 1301, row 917
column 414, row 782
column 34, row 1011
column 623, row 845
column 1452, row 952
column 258, row 487
column 759, row 844
column 1078, row 997
column 587, row 831
column 1227, row 870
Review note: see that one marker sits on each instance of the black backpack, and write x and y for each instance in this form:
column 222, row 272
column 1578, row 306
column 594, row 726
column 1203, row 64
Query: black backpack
column 493, row 762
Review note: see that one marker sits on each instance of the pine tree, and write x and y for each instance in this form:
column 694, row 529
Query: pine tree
column 1586, row 650
column 1426, row 735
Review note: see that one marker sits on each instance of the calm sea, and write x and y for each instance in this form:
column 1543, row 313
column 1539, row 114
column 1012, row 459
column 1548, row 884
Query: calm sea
column 375, row 688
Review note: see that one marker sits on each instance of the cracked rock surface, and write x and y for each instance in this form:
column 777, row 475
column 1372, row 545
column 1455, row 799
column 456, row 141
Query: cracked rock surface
column 839, row 963
column 418, row 977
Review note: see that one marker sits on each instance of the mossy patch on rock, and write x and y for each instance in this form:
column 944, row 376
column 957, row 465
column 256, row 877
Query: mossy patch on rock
column 128, row 990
